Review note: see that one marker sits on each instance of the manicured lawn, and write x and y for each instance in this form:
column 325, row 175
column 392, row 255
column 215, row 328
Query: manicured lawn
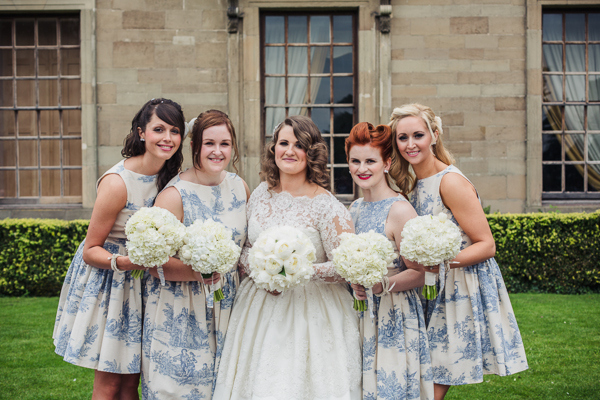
column 561, row 335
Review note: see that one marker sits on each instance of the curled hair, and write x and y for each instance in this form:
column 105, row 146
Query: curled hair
column 380, row 137
column 206, row 120
column 310, row 140
column 169, row 112
column 401, row 170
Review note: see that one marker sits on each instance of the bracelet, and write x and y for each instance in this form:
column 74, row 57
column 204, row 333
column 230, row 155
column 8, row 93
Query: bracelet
column 385, row 287
column 113, row 262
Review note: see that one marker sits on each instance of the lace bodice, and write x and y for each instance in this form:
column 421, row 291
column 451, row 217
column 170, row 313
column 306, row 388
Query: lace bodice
column 323, row 218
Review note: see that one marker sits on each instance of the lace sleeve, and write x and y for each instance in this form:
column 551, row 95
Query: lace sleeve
column 243, row 267
column 333, row 220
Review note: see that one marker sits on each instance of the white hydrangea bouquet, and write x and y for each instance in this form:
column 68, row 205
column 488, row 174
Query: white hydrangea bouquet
column 209, row 248
column 363, row 259
column 281, row 258
column 153, row 235
column 430, row 240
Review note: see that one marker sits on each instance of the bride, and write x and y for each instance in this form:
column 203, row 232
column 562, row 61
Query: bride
column 303, row 343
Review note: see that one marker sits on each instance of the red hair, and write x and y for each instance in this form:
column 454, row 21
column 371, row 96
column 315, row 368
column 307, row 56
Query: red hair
column 379, row 137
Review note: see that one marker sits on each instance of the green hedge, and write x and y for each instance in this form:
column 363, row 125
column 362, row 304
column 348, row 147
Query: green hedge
column 548, row 253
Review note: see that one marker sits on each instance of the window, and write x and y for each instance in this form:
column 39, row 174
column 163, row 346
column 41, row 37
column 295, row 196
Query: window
column 40, row 109
column 308, row 66
column 571, row 104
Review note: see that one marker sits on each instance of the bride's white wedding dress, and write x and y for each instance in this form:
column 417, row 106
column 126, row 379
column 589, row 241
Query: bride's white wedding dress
column 304, row 343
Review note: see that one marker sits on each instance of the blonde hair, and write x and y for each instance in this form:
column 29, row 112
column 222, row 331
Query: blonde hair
column 401, row 170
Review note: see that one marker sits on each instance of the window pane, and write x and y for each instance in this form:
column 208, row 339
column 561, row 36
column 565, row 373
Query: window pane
column 72, row 123
column 553, row 88
column 7, row 123
column 48, row 95
column 575, row 27
column 319, row 60
column 342, row 120
column 321, row 94
column 594, row 57
column 47, row 63
column 72, row 181
column 342, row 89
column 552, row 57
column 6, row 62
column 319, row 29
column 25, row 65
column 575, row 87
column 273, row 117
column 298, row 60
column 339, row 150
column 342, row 181
column 274, row 90
column 551, row 147
column 8, row 153
column 551, row 178
column 51, row 182
column 25, row 93
column 575, row 58
column 552, row 27
column 47, row 32
column 574, row 118
column 69, row 62
column 297, row 90
column 5, row 32
column 594, row 148
column 594, row 118
column 574, row 147
column 50, row 153
column 593, row 178
column 275, row 60
column 28, row 153
column 594, row 27
column 552, row 118
column 70, row 92
column 274, row 30
column 27, row 123
column 6, row 93
column 594, row 92
column 298, row 111
column 321, row 118
column 8, row 187
column 342, row 59
column 342, row 28
column 49, row 123
column 72, row 152
column 574, row 178
column 297, row 29
column 24, row 33
column 69, row 31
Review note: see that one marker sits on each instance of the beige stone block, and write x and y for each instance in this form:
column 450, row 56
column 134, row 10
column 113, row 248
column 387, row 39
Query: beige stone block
column 503, row 10
column 459, row 90
column 517, row 65
column 205, row 100
column 469, row 25
column 135, row 98
column 410, row 65
column 503, row 90
column 411, row 11
column 168, row 4
column 510, row 103
column 491, row 65
column 517, row 149
column 459, row 149
column 133, row 54
column 106, row 49
column 157, row 75
column 509, row 77
column 210, row 55
column 129, row 5
column 503, row 133
column 407, row 42
column 504, row 54
column 429, row 26
column 397, row 54
column 507, row 166
column 413, row 91
column 495, row 118
column 452, row 119
column 107, row 93
column 472, row 165
column 137, row 19
column 103, row 5
column 481, row 42
column 489, row 149
column 184, row 20
column 507, row 25
column 426, row 54
column 450, row 65
column 470, row 77
column 490, row 187
column 117, row 75
column 505, row 206
column 466, row 54
column 466, row 133
column 194, row 75
column 424, row 78
column 400, row 26
column 141, row 35
column 214, row 19
column 445, row 41
column 170, row 55
column 108, row 24
column 511, row 41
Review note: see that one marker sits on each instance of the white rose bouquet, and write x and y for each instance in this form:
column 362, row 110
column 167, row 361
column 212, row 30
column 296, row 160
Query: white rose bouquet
column 153, row 235
column 430, row 240
column 209, row 248
column 363, row 259
column 281, row 258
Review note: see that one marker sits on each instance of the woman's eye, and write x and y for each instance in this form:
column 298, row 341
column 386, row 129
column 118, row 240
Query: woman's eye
column 419, row 135
column 402, row 138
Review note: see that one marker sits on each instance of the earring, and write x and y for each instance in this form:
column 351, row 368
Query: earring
column 385, row 171
column 142, row 139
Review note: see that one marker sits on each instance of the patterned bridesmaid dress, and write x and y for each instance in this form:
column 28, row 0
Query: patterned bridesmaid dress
column 183, row 337
column 471, row 325
column 99, row 319
column 396, row 361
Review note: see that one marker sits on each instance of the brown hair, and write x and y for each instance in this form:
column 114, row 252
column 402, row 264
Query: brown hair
column 310, row 139
column 206, row 120
column 401, row 170
column 169, row 112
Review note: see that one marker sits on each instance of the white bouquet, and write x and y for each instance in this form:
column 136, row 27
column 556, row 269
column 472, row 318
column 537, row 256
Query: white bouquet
column 363, row 259
column 281, row 258
column 430, row 240
column 153, row 235
column 209, row 248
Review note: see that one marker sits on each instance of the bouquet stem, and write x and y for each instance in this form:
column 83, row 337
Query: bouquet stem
column 430, row 288
column 360, row 305
column 217, row 294
column 137, row 273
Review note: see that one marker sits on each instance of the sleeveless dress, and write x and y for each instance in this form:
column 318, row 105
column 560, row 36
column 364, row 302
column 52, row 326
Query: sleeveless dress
column 396, row 362
column 183, row 337
column 471, row 324
column 99, row 319
column 303, row 343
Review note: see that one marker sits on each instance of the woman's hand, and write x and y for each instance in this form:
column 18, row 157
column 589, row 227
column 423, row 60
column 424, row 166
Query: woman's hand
column 214, row 278
column 274, row 292
column 360, row 292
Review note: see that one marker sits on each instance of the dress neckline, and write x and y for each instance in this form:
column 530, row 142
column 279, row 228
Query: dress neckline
column 283, row 193
column 382, row 200
column 199, row 184
column 133, row 172
column 434, row 175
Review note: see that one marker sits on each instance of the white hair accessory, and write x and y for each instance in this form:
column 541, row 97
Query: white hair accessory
column 438, row 122
column 189, row 126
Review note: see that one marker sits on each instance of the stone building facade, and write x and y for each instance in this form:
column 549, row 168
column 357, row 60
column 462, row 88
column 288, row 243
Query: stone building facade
column 478, row 63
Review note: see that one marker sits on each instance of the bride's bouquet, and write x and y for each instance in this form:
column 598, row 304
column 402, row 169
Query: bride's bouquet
column 430, row 240
column 281, row 258
column 209, row 248
column 153, row 235
column 363, row 259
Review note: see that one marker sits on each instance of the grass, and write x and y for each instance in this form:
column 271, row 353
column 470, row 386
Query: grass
column 561, row 335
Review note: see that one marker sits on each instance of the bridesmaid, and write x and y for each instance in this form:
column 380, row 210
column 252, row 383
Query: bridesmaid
column 99, row 319
column 184, row 328
column 396, row 362
column 471, row 325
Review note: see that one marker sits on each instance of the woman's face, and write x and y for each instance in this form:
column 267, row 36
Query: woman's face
column 413, row 140
column 289, row 155
column 161, row 139
column 215, row 152
column 367, row 166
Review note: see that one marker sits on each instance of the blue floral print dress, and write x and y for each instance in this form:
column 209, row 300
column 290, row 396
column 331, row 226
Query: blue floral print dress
column 471, row 324
column 396, row 363
column 99, row 319
column 183, row 336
